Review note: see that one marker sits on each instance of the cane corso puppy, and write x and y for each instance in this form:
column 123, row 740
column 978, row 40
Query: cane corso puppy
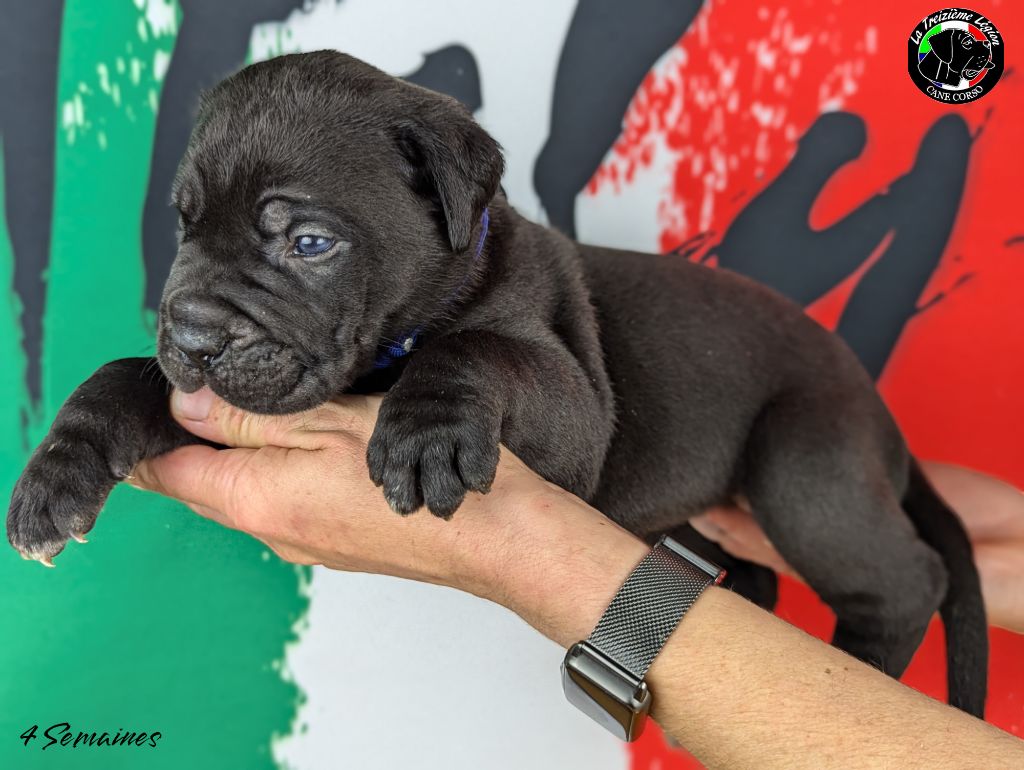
column 955, row 54
column 342, row 230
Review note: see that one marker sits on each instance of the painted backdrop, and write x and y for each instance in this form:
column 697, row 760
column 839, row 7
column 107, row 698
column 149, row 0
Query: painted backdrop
column 782, row 140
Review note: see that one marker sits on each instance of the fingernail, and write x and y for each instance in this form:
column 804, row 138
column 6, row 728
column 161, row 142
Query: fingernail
column 192, row 406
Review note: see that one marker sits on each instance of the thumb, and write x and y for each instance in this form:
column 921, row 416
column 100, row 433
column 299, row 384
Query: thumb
column 203, row 478
column 208, row 416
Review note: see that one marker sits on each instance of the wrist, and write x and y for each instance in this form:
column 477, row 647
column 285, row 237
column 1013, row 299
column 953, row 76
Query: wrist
column 560, row 564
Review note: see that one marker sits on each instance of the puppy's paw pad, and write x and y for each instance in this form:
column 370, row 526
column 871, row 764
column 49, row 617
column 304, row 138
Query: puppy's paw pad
column 57, row 497
column 425, row 453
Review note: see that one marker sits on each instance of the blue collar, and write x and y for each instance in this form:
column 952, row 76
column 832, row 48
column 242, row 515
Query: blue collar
column 392, row 350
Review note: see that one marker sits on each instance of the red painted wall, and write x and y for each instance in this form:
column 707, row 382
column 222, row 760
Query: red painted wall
column 954, row 379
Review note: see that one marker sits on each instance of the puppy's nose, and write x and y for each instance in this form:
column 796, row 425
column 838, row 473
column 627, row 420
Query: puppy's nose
column 197, row 329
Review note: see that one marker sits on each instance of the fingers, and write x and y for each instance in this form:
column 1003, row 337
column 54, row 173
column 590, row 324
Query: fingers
column 205, row 480
column 214, row 482
column 991, row 509
column 208, row 416
column 739, row 534
column 202, row 477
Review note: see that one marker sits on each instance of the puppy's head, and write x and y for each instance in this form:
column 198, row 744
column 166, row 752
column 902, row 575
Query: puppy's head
column 325, row 208
column 962, row 52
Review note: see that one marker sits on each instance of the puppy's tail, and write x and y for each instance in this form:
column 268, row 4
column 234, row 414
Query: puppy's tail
column 962, row 610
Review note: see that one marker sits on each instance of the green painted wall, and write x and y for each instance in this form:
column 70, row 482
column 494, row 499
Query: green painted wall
column 163, row 622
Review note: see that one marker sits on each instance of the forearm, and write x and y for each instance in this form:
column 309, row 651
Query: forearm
column 748, row 690
column 735, row 685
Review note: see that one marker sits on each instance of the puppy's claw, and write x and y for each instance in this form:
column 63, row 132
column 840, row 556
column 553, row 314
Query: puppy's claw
column 46, row 561
column 78, row 538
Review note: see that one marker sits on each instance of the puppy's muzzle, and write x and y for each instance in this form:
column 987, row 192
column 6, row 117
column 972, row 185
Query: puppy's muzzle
column 197, row 329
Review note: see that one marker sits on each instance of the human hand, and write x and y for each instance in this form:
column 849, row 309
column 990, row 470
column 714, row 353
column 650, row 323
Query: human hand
column 300, row 484
column 992, row 511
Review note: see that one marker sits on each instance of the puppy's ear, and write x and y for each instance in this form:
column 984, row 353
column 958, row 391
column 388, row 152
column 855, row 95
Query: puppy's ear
column 942, row 44
column 454, row 162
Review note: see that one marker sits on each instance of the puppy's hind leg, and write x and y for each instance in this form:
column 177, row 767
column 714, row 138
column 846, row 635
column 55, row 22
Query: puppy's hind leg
column 821, row 492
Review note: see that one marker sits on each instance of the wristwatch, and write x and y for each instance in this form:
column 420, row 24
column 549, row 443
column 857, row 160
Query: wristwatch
column 603, row 676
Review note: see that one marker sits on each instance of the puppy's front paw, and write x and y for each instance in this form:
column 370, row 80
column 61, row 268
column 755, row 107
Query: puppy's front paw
column 429, row 450
column 58, row 496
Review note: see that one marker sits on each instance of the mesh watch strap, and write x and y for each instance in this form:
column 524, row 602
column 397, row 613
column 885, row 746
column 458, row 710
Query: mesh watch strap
column 650, row 604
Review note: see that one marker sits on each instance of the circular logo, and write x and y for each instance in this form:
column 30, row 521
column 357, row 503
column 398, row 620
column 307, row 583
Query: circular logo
column 955, row 55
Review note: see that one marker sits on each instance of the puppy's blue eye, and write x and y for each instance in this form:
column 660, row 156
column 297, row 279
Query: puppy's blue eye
column 311, row 245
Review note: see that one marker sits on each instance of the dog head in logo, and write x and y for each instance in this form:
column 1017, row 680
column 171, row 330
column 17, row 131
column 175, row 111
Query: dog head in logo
column 955, row 55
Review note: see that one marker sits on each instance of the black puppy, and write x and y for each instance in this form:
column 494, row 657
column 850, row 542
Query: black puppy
column 955, row 55
column 343, row 230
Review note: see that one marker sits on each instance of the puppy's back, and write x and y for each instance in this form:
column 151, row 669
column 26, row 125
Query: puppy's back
column 694, row 354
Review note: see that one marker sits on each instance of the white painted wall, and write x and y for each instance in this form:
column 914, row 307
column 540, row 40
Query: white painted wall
column 403, row 675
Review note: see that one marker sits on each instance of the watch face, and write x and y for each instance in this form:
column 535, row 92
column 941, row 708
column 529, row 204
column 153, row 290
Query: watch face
column 581, row 693
column 601, row 692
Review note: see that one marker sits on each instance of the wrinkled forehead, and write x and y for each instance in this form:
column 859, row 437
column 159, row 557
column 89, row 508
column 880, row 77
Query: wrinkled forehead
column 239, row 154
